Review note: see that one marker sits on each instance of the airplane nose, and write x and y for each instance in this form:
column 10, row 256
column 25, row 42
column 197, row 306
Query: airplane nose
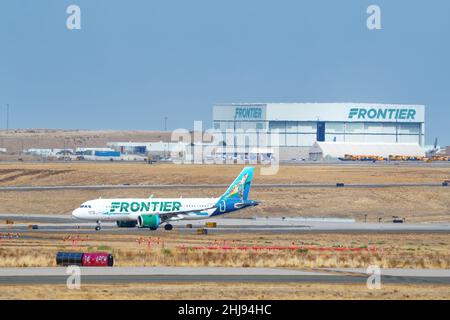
column 76, row 213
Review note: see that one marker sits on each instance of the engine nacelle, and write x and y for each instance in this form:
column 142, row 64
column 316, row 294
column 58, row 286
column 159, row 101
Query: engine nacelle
column 126, row 224
column 151, row 221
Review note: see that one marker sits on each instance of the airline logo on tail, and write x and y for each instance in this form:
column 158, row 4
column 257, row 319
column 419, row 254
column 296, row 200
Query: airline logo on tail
column 241, row 186
column 238, row 189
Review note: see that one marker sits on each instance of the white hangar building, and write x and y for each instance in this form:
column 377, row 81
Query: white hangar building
column 300, row 125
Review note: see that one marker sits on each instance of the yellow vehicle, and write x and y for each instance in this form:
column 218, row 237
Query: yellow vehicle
column 362, row 158
column 408, row 158
column 440, row 158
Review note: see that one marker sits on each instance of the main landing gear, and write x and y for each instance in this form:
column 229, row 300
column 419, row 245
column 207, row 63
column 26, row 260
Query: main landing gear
column 99, row 226
column 168, row 227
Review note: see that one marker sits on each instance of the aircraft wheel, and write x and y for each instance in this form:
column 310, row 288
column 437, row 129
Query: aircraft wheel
column 98, row 228
column 168, row 227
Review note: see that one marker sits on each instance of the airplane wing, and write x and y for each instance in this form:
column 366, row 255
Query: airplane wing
column 181, row 214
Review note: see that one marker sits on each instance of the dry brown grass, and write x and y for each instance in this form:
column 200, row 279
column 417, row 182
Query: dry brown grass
column 17, row 140
column 416, row 204
column 392, row 250
column 238, row 291
column 77, row 173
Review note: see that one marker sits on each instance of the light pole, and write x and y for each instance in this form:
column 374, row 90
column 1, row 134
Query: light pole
column 7, row 117
column 167, row 143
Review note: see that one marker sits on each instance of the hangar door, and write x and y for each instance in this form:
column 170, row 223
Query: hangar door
column 320, row 136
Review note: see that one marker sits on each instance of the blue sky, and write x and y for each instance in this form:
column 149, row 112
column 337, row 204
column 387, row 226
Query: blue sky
column 134, row 62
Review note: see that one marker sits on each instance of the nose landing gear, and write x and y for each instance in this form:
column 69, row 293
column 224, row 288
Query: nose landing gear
column 99, row 226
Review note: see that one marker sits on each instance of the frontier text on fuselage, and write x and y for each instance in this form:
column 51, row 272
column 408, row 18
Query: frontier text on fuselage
column 142, row 206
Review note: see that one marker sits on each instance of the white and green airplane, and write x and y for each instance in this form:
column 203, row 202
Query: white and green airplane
column 152, row 212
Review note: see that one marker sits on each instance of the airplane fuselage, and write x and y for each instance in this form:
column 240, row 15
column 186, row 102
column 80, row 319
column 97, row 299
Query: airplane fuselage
column 130, row 209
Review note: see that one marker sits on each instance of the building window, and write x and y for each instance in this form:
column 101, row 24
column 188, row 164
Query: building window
column 408, row 128
column 277, row 125
column 291, row 126
column 354, row 127
column 334, row 127
column 307, row 127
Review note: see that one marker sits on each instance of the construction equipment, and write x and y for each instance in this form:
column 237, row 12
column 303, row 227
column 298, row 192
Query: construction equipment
column 211, row 224
column 349, row 157
column 440, row 158
column 408, row 158
column 201, row 231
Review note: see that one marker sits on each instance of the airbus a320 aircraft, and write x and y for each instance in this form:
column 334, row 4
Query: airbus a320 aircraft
column 152, row 212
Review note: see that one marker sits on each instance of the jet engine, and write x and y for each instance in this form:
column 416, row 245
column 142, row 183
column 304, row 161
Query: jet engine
column 151, row 221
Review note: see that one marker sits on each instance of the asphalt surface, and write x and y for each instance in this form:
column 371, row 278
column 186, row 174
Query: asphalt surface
column 59, row 275
column 208, row 186
column 66, row 223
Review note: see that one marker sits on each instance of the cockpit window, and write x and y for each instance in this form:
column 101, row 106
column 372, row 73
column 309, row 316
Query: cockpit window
column 85, row 206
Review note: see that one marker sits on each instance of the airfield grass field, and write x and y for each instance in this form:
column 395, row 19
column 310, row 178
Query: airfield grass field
column 311, row 250
column 417, row 204
column 88, row 173
column 217, row 291
column 391, row 250
column 178, row 249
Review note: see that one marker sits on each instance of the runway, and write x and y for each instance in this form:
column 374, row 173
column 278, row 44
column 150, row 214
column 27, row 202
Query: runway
column 208, row 186
column 68, row 224
column 59, row 275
